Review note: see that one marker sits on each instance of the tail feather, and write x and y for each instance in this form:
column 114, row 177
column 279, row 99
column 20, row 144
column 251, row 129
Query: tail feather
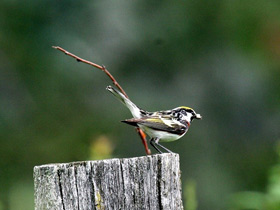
column 135, row 111
column 129, row 122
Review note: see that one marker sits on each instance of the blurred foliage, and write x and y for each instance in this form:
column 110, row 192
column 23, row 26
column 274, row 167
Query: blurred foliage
column 270, row 200
column 220, row 57
column 20, row 194
column 190, row 195
column 101, row 148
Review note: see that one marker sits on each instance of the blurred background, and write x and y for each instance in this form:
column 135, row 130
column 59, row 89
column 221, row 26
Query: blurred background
column 221, row 58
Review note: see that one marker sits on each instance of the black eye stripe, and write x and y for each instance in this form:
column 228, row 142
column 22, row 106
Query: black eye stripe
column 177, row 114
column 183, row 111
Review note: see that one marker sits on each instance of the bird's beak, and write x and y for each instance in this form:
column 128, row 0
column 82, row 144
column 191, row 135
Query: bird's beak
column 198, row 116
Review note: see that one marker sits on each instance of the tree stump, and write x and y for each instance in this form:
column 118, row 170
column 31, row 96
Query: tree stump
column 149, row 182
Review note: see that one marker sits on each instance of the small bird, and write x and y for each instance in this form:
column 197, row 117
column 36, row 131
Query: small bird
column 161, row 126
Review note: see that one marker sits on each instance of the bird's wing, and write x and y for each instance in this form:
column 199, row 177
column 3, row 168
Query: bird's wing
column 157, row 123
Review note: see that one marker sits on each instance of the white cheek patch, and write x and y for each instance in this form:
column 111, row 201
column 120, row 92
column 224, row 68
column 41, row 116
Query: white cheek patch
column 187, row 117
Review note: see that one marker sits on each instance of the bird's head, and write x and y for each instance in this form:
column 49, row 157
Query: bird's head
column 187, row 113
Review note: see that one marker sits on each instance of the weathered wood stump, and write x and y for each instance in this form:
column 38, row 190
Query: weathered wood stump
column 149, row 182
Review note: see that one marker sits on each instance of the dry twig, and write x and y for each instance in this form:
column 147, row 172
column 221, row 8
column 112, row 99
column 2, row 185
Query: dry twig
column 102, row 68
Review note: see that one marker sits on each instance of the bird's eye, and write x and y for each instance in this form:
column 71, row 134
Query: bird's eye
column 183, row 111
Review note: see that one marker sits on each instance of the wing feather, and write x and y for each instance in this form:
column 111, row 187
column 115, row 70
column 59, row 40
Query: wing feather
column 157, row 123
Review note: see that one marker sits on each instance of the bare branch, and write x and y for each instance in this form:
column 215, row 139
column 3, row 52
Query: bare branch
column 102, row 68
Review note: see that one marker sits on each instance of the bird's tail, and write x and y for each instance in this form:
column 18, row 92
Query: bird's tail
column 135, row 111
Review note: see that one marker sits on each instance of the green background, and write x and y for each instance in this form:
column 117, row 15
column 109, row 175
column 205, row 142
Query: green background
column 221, row 58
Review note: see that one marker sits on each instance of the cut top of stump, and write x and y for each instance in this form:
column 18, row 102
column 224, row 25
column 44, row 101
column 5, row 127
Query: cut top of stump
column 148, row 182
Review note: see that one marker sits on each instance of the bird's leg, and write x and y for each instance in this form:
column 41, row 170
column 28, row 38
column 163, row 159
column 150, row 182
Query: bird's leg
column 162, row 147
column 153, row 143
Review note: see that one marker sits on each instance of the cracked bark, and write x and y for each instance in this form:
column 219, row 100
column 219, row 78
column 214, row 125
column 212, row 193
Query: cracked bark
column 149, row 182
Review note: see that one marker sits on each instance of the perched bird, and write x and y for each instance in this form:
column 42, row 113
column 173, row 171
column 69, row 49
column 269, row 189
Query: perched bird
column 161, row 126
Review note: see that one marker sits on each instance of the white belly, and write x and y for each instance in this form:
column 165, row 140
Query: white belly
column 163, row 136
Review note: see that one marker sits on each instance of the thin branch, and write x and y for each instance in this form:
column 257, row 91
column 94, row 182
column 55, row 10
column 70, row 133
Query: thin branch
column 102, row 68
